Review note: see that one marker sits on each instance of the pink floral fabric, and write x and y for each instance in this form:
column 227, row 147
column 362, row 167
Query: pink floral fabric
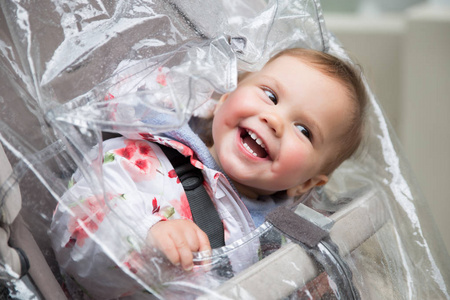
column 161, row 76
column 98, row 238
column 141, row 189
column 140, row 160
column 90, row 212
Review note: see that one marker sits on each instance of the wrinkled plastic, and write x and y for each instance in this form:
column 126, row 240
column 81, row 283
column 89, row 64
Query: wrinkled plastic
column 73, row 70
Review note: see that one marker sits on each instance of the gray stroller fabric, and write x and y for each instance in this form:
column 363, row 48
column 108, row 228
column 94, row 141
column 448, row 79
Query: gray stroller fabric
column 72, row 70
column 11, row 204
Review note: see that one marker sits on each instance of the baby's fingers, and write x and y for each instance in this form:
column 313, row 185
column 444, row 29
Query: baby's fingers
column 203, row 241
column 184, row 254
column 170, row 250
column 204, row 245
column 177, row 250
column 177, row 239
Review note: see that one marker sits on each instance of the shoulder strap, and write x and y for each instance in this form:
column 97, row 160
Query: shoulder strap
column 203, row 210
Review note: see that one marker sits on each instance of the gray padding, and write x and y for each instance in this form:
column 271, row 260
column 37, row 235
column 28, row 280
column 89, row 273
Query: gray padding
column 296, row 227
column 10, row 199
column 10, row 204
column 39, row 271
column 363, row 217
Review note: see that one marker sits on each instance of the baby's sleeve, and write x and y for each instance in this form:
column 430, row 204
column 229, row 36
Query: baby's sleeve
column 140, row 191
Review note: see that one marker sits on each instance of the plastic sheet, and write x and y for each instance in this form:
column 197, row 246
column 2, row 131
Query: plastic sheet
column 71, row 71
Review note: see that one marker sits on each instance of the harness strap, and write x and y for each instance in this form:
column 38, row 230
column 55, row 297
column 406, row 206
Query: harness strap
column 311, row 230
column 202, row 208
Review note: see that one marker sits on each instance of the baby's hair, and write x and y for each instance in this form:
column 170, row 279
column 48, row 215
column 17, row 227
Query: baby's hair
column 350, row 77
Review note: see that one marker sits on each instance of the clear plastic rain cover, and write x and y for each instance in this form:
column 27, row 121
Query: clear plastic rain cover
column 73, row 72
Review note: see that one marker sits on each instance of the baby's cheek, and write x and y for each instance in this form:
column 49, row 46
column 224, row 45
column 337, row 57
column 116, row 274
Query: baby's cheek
column 296, row 163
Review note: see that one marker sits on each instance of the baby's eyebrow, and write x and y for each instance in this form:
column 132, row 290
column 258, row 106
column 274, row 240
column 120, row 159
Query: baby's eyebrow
column 275, row 85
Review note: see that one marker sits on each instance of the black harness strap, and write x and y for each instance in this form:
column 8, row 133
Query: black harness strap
column 203, row 210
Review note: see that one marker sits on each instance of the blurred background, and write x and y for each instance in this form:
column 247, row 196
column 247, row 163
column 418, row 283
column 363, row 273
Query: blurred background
column 404, row 49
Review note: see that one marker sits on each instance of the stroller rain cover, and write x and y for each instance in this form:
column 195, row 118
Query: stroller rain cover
column 73, row 71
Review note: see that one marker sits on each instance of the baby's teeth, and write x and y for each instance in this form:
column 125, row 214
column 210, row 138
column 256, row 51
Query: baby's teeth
column 249, row 149
column 256, row 138
column 259, row 142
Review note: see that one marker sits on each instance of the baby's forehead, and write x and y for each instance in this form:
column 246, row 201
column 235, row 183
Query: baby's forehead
column 329, row 68
column 274, row 63
column 292, row 59
column 287, row 64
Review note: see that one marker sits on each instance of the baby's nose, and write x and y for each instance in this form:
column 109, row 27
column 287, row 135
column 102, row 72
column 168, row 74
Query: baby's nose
column 274, row 121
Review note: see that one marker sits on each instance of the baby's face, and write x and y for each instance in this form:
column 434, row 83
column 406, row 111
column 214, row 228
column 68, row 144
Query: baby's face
column 279, row 127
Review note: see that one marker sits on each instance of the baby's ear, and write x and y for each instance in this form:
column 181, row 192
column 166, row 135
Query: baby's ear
column 302, row 188
column 223, row 98
column 221, row 101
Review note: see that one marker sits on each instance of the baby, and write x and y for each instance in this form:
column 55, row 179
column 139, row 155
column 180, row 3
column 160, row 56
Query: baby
column 285, row 128
column 283, row 131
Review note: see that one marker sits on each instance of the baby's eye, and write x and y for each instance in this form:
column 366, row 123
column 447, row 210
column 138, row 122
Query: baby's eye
column 271, row 95
column 304, row 131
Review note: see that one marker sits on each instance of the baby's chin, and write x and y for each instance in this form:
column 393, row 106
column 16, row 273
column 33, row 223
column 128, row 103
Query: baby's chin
column 252, row 192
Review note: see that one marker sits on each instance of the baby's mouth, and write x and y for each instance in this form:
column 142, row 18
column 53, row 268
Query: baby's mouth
column 253, row 144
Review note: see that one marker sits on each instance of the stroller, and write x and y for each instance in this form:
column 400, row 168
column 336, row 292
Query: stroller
column 61, row 60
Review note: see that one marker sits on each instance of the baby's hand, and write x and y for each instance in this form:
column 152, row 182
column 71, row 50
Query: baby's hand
column 177, row 239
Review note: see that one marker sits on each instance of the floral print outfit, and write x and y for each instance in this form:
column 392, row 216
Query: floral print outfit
column 141, row 189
